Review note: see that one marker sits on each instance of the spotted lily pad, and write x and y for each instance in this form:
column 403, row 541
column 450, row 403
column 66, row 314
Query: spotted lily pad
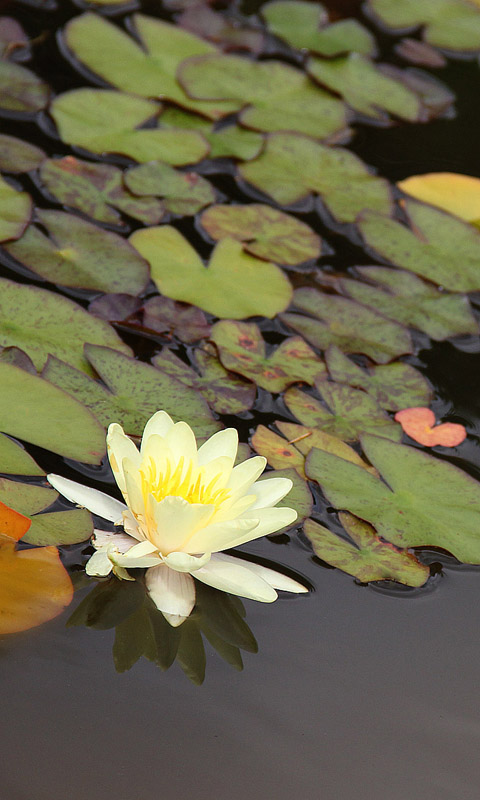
column 19, row 156
column 369, row 558
column 411, row 301
column 182, row 192
column 131, row 393
column 279, row 453
column 349, row 325
column 97, row 190
column 274, row 96
column 234, row 285
column 14, row 459
column 15, row 211
column 393, row 386
column 188, row 323
column 418, row 501
column 242, row 349
column 264, row 231
column 105, row 121
column 79, row 254
column 226, row 141
column 224, row 392
column 439, row 247
column 291, row 167
column 21, row 91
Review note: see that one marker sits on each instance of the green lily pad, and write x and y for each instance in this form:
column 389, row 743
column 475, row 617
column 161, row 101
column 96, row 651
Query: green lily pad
column 14, row 459
column 147, row 68
column 418, row 501
column 438, row 246
column 452, row 24
column 188, row 323
column 242, row 349
column 105, row 121
column 224, row 392
column 132, row 392
column 409, row 300
column 43, row 323
column 393, row 386
column 15, row 211
column 182, row 193
column 299, row 497
column 234, row 285
column 55, row 421
column 274, row 96
column 97, row 190
column 291, row 167
column 305, row 26
column 279, row 453
column 369, row 558
column 228, row 141
column 349, row 325
column 19, row 156
column 20, row 89
column 264, row 231
column 352, row 412
column 79, row 254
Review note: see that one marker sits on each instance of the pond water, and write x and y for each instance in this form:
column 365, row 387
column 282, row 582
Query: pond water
column 357, row 690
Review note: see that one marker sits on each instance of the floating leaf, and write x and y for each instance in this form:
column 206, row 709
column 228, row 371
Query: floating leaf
column 203, row 21
column 349, row 325
column 80, row 254
column 420, row 53
column 15, row 211
column 370, row 559
column 409, row 300
column 132, row 393
column 182, row 192
column 264, row 232
column 292, row 167
column 274, row 96
column 227, row 141
column 299, row 497
column 20, row 89
column 419, row 424
column 419, row 501
column 18, row 156
column 393, row 386
column 12, row 523
column 188, row 323
column 14, row 459
column 242, row 349
column 224, row 392
column 115, row 307
column 105, row 121
column 12, row 38
column 234, row 285
column 42, row 323
column 439, row 247
column 457, row 194
column 279, row 453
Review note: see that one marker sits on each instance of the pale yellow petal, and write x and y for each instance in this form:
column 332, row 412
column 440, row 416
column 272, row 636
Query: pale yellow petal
column 97, row 502
column 270, row 491
column 219, row 535
column 181, row 441
column 133, row 488
column 276, row 579
column 120, row 446
column 236, row 578
column 159, row 424
column 99, row 565
column 246, row 473
column 183, row 562
column 172, row 592
column 176, row 521
column 222, row 443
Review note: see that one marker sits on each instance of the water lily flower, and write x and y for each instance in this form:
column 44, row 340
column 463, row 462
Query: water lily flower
column 183, row 507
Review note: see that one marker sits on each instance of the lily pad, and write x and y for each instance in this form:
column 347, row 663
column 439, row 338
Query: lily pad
column 188, row 323
column 419, row 424
column 15, row 211
column 80, row 254
column 43, row 323
column 14, row 41
column 105, row 121
column 21, row 91
column 218, row 28
column 182, row 193
column 369, row 558
column 393, row 386
column 147, row 68
column 439, row 247
column 228, row 141
column 97, row 190
column 242, row 349
column 115, row 307
column 279, row 453
column 418, row 501
column 234, row 285
column 14, row 459
column 349, row 325
column 19, row 156
column 299, row 497
column 264, row 231
column 457, row 194
column 291, row 167
column 131, row 393
column 409, row 300
column 224, row 392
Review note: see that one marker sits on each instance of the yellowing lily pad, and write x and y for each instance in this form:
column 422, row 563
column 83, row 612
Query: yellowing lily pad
column 21, row 91
column 182, row 192
column 234, row 285
column 15, row 211
column 19, row 156
column 457, row 194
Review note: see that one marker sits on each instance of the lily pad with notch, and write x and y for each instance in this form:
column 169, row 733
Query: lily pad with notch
column 183, row 193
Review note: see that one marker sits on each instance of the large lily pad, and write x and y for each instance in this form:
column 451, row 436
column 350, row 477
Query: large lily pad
column 409, row 300
column 18, row 156
column 242, row 349
column 42, row 323
column 274, row 96
column 188, row 323
column 291, row 167
column 264, row 231
column 182, row 192
column 439, row 247
column 15, row 211
column 234, row 285
column 21, row 91
column 349, row 325
column 14, row 459
column 418, row 501
column 79, row 254
column 105, row 121
column 369, row 558
column 132, row 392
column 227, row 141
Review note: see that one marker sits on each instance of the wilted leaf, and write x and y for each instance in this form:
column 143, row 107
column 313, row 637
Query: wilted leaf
column 187, row 322
column 21, row 91
column 182, row 192
column 227, row 141
column 419, row 424
column 457, row 194
column 18, row 156
column 15, row 211
column 14, row 459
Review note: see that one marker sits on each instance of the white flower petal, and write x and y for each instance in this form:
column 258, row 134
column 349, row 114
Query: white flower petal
column 269, row 492
column 122, row 541
column 120, row 446
column 276, row 579
column 246, row 473
column 131, row 526
column 99, row 565
column 133, row 488
column 183, row 562
column 236, row 578
column 174, row 619
column 181, row 441
column 219, row 535
column 172, row 592
column 176, row 521
column 97, row 502
column 223, row 443
column 159, row 424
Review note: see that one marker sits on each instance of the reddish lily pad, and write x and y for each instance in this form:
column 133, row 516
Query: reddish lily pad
column 19, row 156
column 115, row 307
column 182, row 193
column 21, row 91
column 12, row 523
column 203, row 21
column 12, row 39
column 15, row 211
column 188, row 323
column 419, row 424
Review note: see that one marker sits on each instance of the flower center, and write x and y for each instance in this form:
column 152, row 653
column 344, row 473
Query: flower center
column 178, row 482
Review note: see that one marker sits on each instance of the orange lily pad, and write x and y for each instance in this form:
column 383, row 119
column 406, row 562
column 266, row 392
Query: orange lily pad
column 12, row 523
column 419, row 424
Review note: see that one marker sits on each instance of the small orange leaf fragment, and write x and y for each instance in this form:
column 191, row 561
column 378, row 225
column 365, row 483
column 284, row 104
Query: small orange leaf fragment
column 419, row 424
column 12, row 523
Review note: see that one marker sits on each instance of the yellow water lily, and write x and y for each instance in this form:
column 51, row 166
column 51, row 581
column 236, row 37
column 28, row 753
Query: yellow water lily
column 183, row 506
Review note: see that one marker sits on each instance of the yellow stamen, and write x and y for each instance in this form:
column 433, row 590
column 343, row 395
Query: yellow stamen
column 179, row 482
